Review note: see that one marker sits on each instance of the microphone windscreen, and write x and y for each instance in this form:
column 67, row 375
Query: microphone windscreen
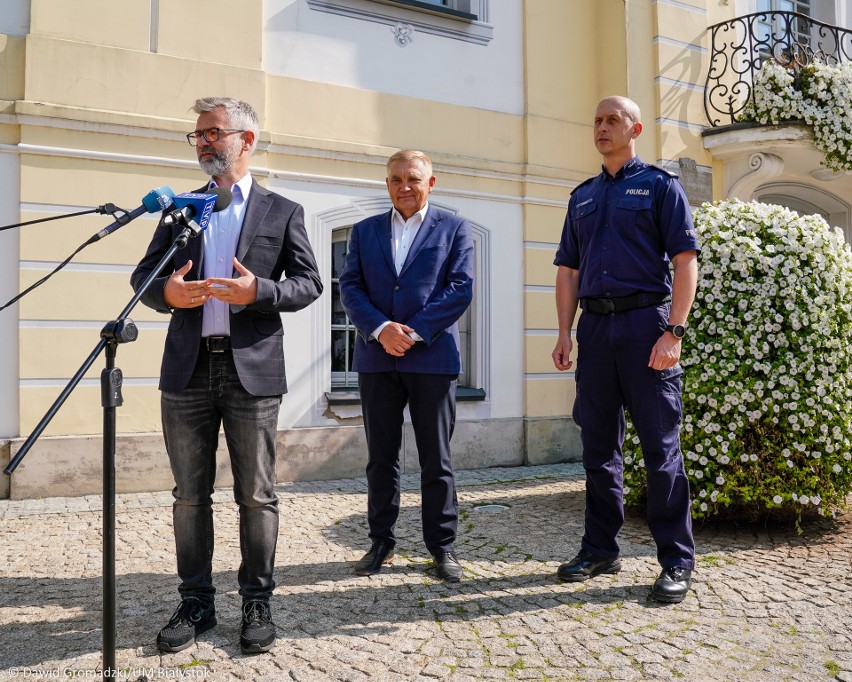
column 159, row 199
column 223, row 198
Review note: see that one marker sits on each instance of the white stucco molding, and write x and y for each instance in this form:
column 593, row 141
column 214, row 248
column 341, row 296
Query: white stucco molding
column 754, row 155
column 764, row 168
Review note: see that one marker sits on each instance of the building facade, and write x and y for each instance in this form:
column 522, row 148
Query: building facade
column 95, row 101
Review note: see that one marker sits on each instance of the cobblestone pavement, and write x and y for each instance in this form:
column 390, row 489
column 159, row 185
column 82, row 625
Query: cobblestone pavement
column 767, row 604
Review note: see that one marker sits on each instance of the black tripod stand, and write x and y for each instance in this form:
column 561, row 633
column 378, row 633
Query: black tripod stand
column 120, row 330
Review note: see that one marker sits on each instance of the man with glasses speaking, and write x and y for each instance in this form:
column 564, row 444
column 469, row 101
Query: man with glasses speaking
column 223, row 365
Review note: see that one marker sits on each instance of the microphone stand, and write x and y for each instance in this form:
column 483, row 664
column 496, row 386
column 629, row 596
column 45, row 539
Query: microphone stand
column 120, row 330
column 103, row 209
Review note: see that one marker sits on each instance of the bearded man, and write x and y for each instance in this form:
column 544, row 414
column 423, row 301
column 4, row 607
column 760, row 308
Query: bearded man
column 223, row 365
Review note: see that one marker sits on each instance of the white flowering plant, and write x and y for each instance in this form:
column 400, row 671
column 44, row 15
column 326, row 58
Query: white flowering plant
column 817, row 94
column 767, row 363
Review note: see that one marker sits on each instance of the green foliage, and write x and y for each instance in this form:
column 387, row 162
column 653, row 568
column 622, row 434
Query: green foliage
column 768, row 368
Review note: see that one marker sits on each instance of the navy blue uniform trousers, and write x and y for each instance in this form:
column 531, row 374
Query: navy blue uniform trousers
column 613, row 374
column 431, row 400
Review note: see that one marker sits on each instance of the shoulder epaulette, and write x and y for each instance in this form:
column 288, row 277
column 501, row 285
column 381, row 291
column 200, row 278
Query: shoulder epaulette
column 585, row 182
column 668, row 172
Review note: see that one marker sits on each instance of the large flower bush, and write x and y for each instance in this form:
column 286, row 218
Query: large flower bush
column 818, row 94
column 768, row 368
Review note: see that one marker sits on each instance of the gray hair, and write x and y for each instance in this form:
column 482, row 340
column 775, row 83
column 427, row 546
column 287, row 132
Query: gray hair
column 241, row 114
column 411, row 155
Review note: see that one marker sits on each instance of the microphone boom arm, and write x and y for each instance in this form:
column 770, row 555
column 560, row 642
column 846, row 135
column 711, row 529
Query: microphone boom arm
column 179, row 242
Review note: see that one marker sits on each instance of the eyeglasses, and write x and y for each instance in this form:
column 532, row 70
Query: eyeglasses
column 210, row 135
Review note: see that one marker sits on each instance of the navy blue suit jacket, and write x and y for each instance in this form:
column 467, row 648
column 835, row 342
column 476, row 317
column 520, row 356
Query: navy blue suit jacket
column 273, row 243
column 429, row 295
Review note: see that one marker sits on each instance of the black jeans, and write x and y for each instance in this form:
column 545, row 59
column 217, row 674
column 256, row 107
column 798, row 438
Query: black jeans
column 191, row 421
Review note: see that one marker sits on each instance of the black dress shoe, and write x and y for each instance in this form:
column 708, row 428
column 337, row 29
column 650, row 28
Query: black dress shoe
column 381, row 552
column 448, row 567
column 672, row 585
column 587, row 565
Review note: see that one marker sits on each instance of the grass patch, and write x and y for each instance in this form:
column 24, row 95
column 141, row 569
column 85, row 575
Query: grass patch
column 832, row 667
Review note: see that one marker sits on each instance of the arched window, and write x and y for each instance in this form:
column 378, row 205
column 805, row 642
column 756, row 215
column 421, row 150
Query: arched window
column 335, row 228
column 810, row 200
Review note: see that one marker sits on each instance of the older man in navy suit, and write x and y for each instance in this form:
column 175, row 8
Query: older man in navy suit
column 408, row 279
column 224, row 365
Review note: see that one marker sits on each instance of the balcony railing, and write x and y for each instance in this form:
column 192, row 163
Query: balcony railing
column 739, row 47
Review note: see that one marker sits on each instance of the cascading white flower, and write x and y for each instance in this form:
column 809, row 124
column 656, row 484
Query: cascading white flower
column 815, row 100
column 768, row 367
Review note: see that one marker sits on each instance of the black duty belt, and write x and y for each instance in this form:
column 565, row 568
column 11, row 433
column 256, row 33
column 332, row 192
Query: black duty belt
column 605, row 306
column 216, row 344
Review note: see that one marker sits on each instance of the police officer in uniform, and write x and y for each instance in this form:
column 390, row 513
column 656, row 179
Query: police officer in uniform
column 628, row 258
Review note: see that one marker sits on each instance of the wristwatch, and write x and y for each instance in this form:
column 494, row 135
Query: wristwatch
column 677, row 330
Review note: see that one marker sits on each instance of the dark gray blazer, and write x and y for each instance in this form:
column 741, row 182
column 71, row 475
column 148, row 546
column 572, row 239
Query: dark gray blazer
column 273, row 242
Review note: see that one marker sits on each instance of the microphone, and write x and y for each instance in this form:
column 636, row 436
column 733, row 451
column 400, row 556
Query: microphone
column 198, row 207
column 158, row 199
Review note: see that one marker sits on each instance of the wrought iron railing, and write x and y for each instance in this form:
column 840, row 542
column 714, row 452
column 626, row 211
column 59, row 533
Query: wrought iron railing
column 738, row 48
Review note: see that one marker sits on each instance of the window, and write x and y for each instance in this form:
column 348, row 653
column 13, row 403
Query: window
column 460, row 8
column 786, row 36
column 333, row 229
column 466, row 20
column 343, row 331
column 808, row 199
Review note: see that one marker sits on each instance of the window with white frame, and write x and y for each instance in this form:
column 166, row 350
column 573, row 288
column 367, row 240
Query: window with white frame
column 342, row 330
column 801, row 31
column 808, row 199
column 770, row 26
column 467, row 20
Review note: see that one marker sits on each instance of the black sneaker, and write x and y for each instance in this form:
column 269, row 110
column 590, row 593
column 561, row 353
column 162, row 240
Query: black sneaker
column 192, row 618
column 258, row 631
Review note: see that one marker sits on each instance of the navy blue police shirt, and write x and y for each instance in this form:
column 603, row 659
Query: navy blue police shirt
column 621, row 231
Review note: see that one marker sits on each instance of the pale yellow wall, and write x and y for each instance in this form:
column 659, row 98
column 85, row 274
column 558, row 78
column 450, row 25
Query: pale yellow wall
column 540, row 309
column 679, row 23
column 539, row 349
column 190, row 29
column 540, row 268
column 549, row 397
column 82, row 412
column 90, row 63
column 46, row 358
column 609, row 53
column 641, row 68
column 56, row 351
column 577, row 53
column 567, row 67
column 108, row 79
column 679, row 71
column 101, row 22
column 543, row 223
column 12, row 51
column 198, row 29
column 321, row 115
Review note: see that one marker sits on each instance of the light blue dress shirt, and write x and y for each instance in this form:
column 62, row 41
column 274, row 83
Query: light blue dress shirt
column 220, row 247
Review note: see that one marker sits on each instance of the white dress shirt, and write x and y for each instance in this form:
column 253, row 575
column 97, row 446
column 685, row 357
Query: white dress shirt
column 403, row 233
